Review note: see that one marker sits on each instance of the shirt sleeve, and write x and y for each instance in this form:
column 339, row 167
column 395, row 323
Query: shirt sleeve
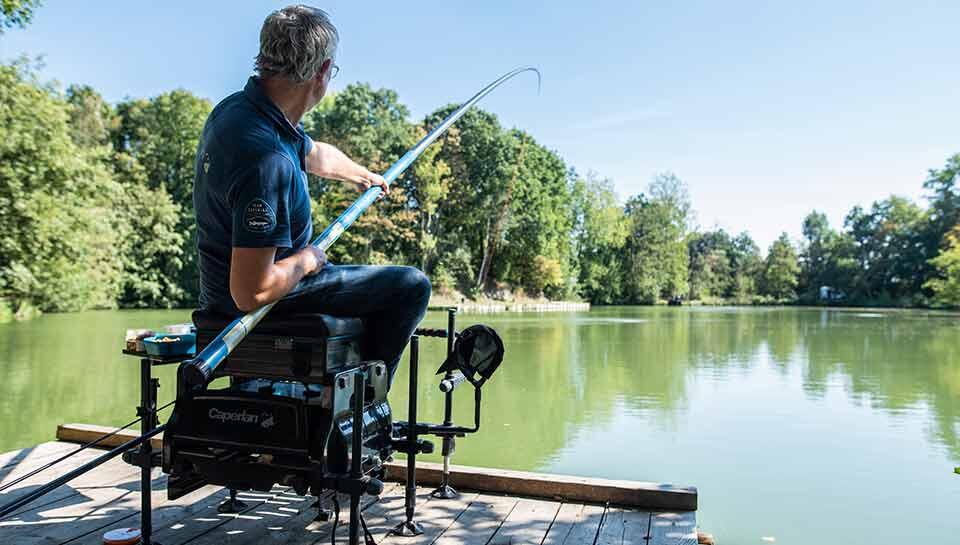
column 260, row 200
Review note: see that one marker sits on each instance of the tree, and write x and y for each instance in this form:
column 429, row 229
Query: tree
column 16, row 13
column 599, row 234
column 148, row 220
column 710, row 271
column 946, row 284
column 161, row 135
column 891, row 257
column 780, row 270
column 656, row 251
column 59, row 231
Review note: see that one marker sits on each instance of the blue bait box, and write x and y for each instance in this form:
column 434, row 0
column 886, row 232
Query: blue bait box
column 184, row 345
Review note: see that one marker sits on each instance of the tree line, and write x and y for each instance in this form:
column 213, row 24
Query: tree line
column 96, row 212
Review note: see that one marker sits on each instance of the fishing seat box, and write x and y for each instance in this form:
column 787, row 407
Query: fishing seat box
column 308, row 348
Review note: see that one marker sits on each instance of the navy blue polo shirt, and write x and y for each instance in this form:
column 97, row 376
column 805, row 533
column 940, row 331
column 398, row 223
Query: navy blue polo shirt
column 250, row 188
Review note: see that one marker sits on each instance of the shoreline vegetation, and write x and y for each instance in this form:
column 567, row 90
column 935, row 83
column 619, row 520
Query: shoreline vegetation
column 96, row 213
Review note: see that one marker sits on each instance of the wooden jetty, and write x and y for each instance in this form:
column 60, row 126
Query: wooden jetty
column 495, row 507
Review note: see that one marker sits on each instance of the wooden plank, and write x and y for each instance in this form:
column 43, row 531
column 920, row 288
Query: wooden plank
column 478, row 522
column 16, row 460
column 109, row 472
column 568, row 488
column 207, row 518
column 611, row 529
column 84, row 433
column 261, row 522
column 673, row 528
column 164, row 511
column 527, row 523
column 575, row 523
column 435, row 517
column 291, row 524
column 390, row 512
column 92, row 508
column 636, row 527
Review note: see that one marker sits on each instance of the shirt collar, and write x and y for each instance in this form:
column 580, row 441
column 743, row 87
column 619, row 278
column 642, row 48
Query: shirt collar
column 254, row 92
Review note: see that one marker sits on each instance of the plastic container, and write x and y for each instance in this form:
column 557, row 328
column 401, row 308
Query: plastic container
column 170, row 344
column 180, row 329
column 122, row 536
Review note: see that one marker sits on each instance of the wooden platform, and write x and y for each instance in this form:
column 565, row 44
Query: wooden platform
column 109, row 497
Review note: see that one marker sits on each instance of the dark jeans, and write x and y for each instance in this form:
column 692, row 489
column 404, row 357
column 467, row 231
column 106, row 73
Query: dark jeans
column 392, row 300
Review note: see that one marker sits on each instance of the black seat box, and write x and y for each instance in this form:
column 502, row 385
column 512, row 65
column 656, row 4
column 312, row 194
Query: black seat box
column 304, row 347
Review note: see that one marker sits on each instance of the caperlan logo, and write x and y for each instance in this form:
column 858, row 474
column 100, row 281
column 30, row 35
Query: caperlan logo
column 242, row 417
column 268, row 421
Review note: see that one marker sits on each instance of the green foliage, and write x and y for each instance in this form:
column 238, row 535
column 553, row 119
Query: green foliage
column 58, row 236
column 16, row 13
column 781, row 270
column 96, row 211
column 161, row 135
column 656, row 250
column 599, row 234
column 946, row 284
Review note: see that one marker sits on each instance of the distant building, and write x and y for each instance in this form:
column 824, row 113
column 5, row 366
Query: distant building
column 831, row 295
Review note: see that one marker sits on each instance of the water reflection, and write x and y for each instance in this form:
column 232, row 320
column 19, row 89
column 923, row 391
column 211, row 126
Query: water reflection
column 564, row 375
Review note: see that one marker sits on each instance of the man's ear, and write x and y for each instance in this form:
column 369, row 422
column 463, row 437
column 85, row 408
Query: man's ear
column 325, row 68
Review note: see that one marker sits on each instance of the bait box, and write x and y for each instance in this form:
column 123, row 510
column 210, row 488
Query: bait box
column 187, row 345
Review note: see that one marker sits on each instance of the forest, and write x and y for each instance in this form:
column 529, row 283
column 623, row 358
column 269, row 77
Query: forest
column 95, row 212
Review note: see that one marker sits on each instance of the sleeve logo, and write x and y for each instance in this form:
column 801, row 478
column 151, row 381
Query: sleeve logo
column 259, row 217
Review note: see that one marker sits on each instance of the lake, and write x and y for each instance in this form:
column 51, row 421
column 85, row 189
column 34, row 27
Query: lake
column 797, row 425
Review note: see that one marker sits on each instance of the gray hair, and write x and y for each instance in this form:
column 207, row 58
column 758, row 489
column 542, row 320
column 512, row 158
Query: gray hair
column 294, row 43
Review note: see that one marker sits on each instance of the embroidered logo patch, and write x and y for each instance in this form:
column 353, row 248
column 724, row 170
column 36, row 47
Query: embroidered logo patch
column 259, row 217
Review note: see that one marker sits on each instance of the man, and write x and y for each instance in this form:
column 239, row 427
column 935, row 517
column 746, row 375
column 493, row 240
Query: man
column 252, row 204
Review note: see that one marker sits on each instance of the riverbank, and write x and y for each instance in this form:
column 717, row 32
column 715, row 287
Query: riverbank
column 483, row 307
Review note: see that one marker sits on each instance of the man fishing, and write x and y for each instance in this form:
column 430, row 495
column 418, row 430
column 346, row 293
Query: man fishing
column 252, row 202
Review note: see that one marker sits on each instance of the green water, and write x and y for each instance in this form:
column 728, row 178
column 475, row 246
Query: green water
column 804, row 425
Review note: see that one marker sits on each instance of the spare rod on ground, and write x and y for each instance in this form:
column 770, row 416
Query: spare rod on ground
column 198, row 371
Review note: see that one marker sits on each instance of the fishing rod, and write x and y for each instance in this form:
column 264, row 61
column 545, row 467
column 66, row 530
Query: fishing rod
column 198, row 371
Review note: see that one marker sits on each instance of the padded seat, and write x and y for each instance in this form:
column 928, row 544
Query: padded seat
column 305, row 347
column 298, row 325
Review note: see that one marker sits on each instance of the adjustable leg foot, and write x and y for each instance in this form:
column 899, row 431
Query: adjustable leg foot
column 233, row 505
column 445, row 492
column 407, row 528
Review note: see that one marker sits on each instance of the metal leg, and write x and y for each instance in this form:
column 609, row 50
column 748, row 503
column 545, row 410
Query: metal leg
column 233, row 505
column 356, row 472
column 409, row 527
column 445, row 491
column 148, row 413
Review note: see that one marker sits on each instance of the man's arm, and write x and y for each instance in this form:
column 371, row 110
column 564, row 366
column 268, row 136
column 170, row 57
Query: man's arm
column 256, row 280
column 328, row 162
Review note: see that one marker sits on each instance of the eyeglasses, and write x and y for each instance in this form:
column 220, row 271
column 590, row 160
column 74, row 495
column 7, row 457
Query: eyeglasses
column 334, row 71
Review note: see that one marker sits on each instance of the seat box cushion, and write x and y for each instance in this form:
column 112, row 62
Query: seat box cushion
column 304, row 347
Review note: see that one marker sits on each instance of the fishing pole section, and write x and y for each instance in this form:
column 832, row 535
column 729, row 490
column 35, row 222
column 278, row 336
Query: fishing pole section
column 304, row 407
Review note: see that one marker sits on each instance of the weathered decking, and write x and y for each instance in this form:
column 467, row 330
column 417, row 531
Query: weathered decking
column 108, row 497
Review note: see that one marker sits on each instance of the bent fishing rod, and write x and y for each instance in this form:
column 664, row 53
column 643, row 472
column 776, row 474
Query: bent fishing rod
column 198, row 371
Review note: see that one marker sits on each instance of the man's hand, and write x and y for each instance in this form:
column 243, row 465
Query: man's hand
column 316, row 259
column 327, row 161
column 368, row 180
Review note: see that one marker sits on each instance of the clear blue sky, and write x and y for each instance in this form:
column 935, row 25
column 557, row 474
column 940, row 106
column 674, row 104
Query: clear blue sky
column 766, row 109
